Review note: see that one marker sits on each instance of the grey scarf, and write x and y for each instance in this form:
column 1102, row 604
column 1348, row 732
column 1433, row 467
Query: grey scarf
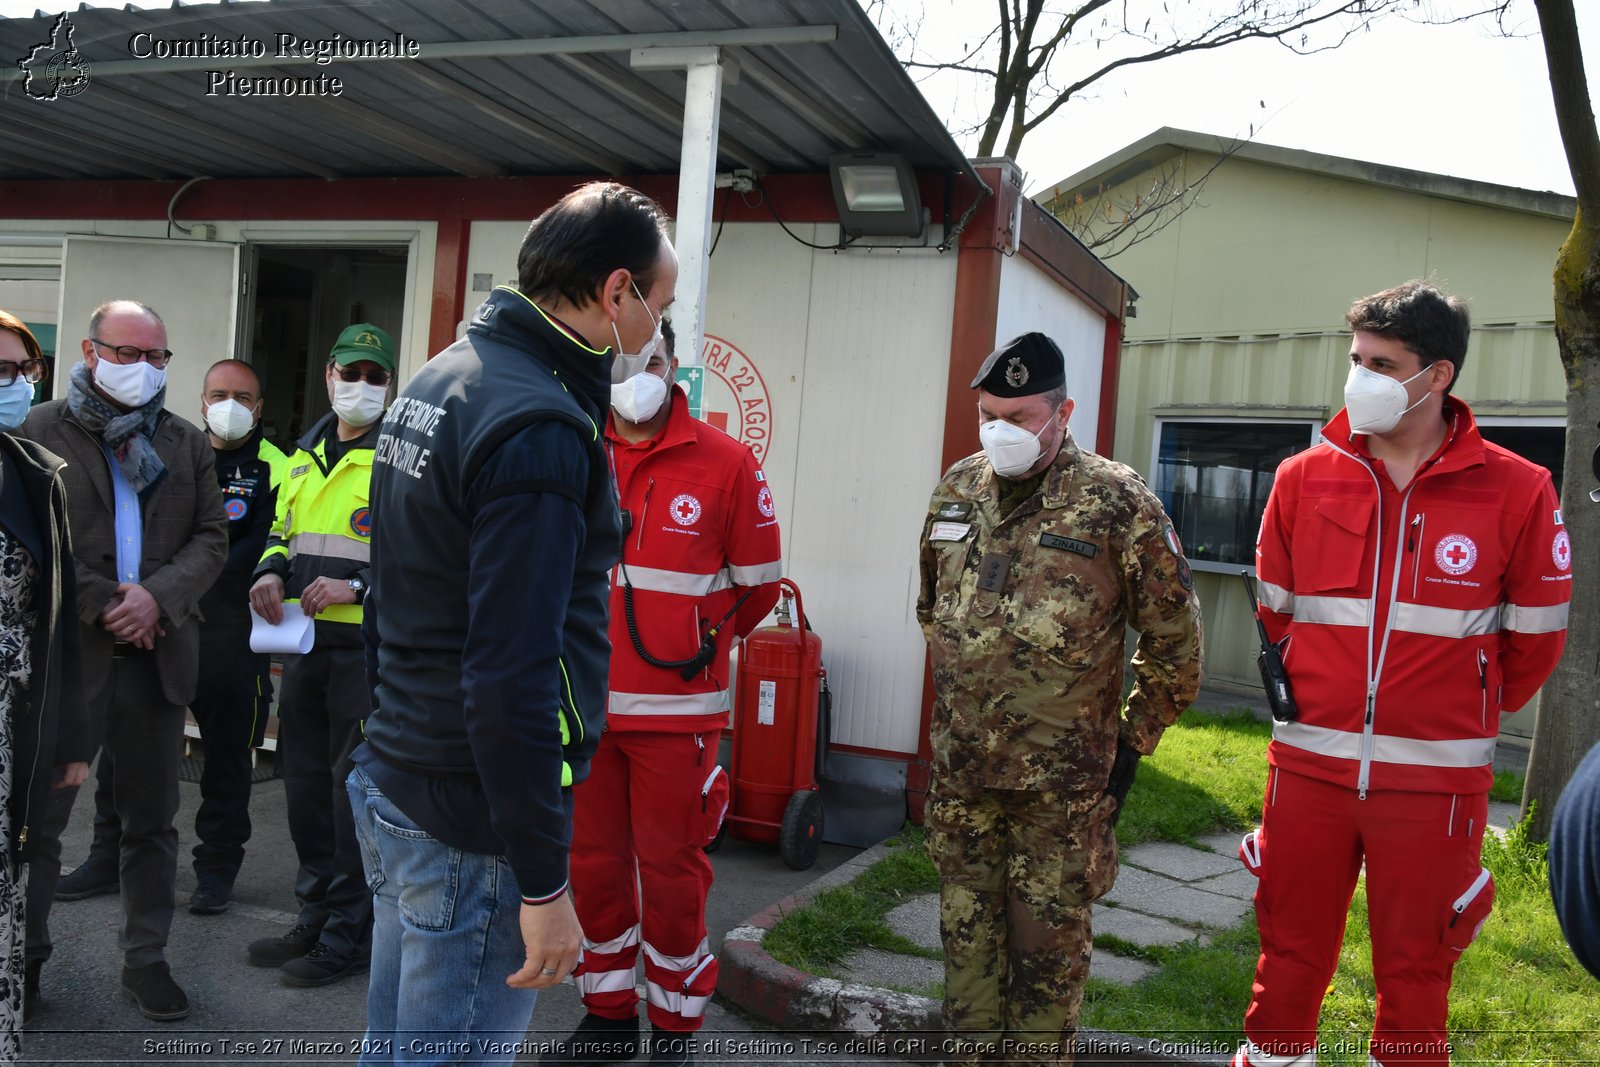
column 126, row 433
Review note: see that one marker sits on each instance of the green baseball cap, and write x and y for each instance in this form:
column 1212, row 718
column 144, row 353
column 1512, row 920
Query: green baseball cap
column 364, row 341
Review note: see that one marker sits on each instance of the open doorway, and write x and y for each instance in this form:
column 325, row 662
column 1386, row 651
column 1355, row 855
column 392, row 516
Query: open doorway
column 303, row 297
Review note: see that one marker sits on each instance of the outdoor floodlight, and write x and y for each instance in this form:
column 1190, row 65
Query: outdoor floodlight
column 876, row 194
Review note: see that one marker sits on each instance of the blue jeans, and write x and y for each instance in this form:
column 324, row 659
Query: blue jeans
column 445, row 936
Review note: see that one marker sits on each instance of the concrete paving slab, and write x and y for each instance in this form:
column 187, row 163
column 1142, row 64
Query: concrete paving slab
column 1236, row 883
column 1138, row 928
column 1156, row 894
column 1178, row 861
column 1223, row 843
column 890, row 970
column 1119, row 969
column 917, row 920
column 1503, row 815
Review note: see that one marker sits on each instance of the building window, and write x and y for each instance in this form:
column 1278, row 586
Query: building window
column 1213, row 478
column 1543, row 441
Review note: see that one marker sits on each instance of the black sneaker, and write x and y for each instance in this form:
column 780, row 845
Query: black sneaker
column 157, row 995
column 93, row 877
column 671, row 1050
column 597, row 1041
column 276, row 951
column 322, row 966
column 211, row 895
column 32, row 995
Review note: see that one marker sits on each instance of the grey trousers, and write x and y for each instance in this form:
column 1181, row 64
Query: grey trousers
column 132, row 722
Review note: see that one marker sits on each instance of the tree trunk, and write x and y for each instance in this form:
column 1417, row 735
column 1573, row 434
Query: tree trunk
column 1569, row 713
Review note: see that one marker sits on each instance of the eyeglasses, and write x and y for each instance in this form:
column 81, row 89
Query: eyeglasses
column 30, row 370
column 156, row 357
column 375, row 376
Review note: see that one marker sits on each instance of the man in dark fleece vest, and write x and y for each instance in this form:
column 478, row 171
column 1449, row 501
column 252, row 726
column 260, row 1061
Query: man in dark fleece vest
column 495, row 527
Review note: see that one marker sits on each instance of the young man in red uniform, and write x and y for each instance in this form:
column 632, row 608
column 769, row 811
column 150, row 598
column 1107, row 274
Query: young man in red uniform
column 1417, row 578
column 700, row 565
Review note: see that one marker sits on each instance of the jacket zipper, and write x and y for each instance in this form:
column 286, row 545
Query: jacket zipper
column 705, row 789
column 1412, row 540
column 644, row 511
column 700, row 757
column 1483, row 684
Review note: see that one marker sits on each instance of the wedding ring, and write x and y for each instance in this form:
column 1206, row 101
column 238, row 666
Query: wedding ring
column 547, row 971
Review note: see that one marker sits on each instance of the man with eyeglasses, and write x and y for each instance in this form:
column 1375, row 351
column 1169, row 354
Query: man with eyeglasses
column 318, row 553
column 149, row 537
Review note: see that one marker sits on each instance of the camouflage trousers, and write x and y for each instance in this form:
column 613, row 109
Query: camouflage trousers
column 1018, row 870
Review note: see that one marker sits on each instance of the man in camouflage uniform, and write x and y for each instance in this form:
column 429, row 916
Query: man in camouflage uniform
column 1035, row 556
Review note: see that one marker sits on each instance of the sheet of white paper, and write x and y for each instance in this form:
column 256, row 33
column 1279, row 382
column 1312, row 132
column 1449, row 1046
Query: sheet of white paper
column 294, row 634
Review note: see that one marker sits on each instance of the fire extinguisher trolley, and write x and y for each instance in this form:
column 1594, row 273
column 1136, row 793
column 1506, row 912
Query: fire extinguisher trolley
column 778, row 748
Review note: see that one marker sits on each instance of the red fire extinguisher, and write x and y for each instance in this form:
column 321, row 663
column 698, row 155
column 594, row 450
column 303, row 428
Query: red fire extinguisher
column 777, row 744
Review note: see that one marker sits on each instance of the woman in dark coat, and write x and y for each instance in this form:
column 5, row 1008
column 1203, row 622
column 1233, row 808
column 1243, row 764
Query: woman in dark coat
column 43, row 725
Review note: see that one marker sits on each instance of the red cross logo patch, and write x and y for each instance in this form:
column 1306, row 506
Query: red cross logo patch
column 1455, row 554
column 684, row 509
column 1561, row 551
column 764, row 501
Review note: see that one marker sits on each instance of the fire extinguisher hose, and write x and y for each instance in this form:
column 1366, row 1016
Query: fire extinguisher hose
column 686, row 668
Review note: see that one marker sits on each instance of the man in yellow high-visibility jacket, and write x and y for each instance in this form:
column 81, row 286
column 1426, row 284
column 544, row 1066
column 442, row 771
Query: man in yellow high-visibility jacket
column 318, row 554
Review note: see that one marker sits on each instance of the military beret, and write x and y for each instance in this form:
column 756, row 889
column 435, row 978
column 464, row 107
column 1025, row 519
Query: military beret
column 1023, row 366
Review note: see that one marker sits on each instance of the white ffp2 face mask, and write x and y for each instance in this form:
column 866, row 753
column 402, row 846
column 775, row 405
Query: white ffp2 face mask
column 230, row 420
column 639, row 398
column 133, row 385
column 1375, row 403
column 1011, row 449
column 626, row 365
column 359, row 403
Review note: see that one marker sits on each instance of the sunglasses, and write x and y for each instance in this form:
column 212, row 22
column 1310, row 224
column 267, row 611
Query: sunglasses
column 375, row 376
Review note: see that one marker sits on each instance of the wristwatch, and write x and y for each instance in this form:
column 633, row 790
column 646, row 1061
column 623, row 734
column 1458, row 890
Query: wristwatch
column 358, row 586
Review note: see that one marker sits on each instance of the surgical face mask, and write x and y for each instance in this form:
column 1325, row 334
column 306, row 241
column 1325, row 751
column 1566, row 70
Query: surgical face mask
column 640, row 397
column 1011, row 449
column 15, row 399
column 230, row 420
column 625, row 365
column 133, row 385
column 359, row 403
column 1376, row 402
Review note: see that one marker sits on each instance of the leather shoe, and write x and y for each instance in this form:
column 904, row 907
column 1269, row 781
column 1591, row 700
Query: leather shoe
column 597, row 1041
column 276, row 951
column 211, row 895
column 92, row 877
column 157, row 995
column 322, row 966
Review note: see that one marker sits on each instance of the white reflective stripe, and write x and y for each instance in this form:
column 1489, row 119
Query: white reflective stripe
column 1472, row 891
column 1457, row 752
column 678, row 963
column 678, row 1003
column 705, row 789
column 1386, row 748
column 627, row 939
column 1333, row 610
column 336, row 545
column 1275, row 597
column 757, row 573
column 604, row 981
column 1251, row 1055
column 686, row 583
column 669, row 704
column 1446, row 622
column 1534, row 620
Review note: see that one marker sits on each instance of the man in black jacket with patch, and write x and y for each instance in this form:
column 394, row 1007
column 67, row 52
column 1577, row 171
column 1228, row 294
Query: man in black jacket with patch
column 494, row 528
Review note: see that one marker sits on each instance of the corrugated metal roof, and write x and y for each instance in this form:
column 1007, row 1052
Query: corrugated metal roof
column 555, row 100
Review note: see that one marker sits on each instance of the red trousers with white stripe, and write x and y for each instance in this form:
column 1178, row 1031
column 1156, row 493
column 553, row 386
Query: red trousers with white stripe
column 1422, row 859
column 639, row 875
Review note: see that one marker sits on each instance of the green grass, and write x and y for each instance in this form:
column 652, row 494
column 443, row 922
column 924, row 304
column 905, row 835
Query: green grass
column 818, row 937
column 1507, row 787
column 1518, row 997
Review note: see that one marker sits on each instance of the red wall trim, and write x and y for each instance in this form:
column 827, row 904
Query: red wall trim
column 449, row 283
column 1051, row 247
column 1110, row 367
column 973, row 322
